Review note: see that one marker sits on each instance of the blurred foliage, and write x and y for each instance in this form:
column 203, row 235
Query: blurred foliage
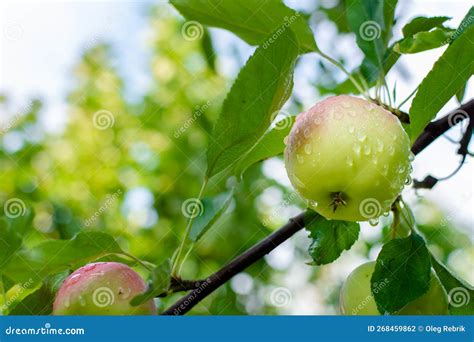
column 131, row 179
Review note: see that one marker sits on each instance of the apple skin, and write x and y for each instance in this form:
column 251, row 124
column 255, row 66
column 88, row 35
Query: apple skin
column 102, row 288
column 348, row 149
column 357, row 299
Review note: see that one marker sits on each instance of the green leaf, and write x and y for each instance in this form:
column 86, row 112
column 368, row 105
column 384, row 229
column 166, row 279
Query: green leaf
column 261, row 88
column 271, row 145
column 208, row 49
column 423, row 41
column 420, row 24
column 460, row 294
column 367, row 20
column 330, row 237
column 461, row 93
column 253, row 21
column 39, row 300
column 10, row 242
column 22, row 224
column 466, row 23
column 212, row 210
column 404, row 266
column 448, row 76
column 55, row 256
column 160, row 283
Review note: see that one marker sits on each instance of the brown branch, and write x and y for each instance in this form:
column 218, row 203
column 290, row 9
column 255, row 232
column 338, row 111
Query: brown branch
column 255, row 253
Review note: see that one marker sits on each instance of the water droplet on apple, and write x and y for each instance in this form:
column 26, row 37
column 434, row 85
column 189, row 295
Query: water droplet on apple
column 82, row 301
column 411, row 157
column 367, row 149
column 300, row 158
column 306, row 133
column 312, row 204
column 356, row 149
column 361, row 136
column 408, row 181
column 374, row 221
column 379, row 145
column 286, row 139
column 386, row 213
column 384, row 170
column 391, row 150
column 349, row 161
column 307, row 149
column 401, row 169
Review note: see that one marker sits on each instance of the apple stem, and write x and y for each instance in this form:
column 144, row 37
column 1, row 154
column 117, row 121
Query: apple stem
column 337, row 200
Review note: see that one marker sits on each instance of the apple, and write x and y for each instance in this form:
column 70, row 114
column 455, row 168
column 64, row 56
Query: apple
column 356, row 297
column 349, row 158
column 102, row 288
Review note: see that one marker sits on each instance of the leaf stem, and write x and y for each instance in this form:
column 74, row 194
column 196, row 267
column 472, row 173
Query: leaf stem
column 341, row 67
column 409, row 96
column 176, row 262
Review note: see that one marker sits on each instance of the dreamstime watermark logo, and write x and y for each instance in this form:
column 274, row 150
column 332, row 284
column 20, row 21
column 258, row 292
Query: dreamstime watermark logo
column 46, row 330
column 192, row 296
column 103, row 296
column 281, row 297
column 200, row 110
column 14, row 207
column 192, row 30
column 459, row 296
column 12, row 299
column 376, row 288
column 370, row 30
column 108, row 202
column 192, row 208
column 370, row 208
column 281, row 29
column 13, row 31
column 283, row 120
column 456, row 117
column 103, row 119
column 465, row 24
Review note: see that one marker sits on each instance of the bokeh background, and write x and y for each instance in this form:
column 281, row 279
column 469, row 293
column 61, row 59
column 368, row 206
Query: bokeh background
column 158, row 92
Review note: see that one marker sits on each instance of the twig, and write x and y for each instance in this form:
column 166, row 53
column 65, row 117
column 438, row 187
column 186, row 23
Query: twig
column 237, row 265
column 255, row 253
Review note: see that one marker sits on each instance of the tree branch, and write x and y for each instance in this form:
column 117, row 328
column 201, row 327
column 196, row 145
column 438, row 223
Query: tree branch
column 255, row 253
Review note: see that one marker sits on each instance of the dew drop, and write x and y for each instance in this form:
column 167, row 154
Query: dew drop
column 312, row 204
column 356, row 149
column 361, row 136
column 386, row 213
column 306, row 133
column 379, row 145
column 401, row 169
column 285, row 141
column 384, row 170
column 307, row 149
column 349, row 161
column 374, row 221
column 375, row 161
column 391, row 150
column 75, row 278
column 299, row 158
column 89, row 267
column 408, row 181
column 67, row 302
column 367, row 149
column 411, row 157
column 82, row 301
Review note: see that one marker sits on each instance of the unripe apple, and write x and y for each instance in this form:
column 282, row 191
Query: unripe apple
column 349, row 158
column 356, row 297
column 102, row 288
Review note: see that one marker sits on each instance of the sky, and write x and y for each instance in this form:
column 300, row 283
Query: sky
column 40, row 43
